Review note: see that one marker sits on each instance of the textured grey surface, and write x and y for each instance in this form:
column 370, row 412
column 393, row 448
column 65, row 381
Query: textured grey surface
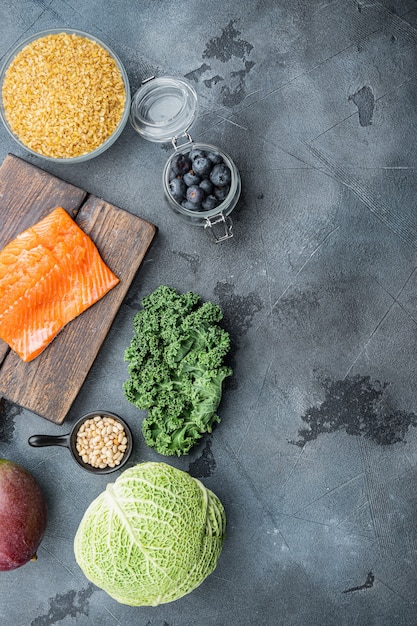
column 315, row 458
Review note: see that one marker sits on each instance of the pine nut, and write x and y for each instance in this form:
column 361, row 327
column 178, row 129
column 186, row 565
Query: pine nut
column 101, row 442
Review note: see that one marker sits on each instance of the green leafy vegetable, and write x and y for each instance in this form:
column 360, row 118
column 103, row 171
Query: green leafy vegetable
column 176, row 367
column 152, row 536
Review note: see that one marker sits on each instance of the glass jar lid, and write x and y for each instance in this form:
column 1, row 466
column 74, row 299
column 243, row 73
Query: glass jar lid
column 163, row 108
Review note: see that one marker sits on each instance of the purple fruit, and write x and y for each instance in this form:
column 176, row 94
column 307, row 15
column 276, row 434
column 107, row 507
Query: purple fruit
column 215, row 157
column 220, row 175
column 209, row 203
column 194, row 154
column 23, row 516
column 191, row 178
column 177, row 188
column 202, row 166
column 195, row 194
column 221, row 192
column 207, row 186
column 191, row 206
column 180, row 164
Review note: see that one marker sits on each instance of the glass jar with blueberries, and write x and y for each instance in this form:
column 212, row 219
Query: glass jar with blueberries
column 201, row 182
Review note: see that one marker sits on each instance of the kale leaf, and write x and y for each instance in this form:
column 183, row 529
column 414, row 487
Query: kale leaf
column 176, row 367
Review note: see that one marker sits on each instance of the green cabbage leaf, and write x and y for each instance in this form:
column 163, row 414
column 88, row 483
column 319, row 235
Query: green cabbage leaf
column 152, row 536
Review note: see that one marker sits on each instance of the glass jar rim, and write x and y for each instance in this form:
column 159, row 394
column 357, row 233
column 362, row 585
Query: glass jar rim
column 163, row 108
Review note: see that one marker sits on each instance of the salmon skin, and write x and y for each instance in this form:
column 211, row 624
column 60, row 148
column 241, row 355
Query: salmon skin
column 49, row 274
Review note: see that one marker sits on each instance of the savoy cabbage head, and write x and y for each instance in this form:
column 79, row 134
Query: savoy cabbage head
column 152, row 536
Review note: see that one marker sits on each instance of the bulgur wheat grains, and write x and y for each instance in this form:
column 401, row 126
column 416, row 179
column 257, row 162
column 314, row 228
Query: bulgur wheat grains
column 63, row 95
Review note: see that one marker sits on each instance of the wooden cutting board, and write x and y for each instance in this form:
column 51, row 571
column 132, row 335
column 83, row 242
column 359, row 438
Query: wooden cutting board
column 49, row 384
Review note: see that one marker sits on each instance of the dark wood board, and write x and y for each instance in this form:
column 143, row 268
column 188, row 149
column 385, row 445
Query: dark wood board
column 49, row 384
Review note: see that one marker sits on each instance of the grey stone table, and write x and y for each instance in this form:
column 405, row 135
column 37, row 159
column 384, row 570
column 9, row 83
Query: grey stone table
column 315, row 457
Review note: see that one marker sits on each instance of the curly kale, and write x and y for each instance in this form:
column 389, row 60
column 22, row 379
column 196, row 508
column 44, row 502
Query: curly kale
column 176, row 367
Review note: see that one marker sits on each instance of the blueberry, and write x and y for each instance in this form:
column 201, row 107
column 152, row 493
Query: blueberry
column 194, row 154
column 191, row 206
column 171, row 175
column 207, row 186
column 220, row 175
column 202, row 166
column 221, row 192
column 180, row 164
column 191, row 178
column 195, row 194
column 215, row 157
column 177, row 188
column 210, row 202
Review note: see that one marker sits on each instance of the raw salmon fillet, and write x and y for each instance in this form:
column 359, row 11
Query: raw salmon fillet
column 49, row 274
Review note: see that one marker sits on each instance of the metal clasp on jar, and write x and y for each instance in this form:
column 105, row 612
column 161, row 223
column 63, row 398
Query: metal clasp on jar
column 188, row 140
column 220, row 227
